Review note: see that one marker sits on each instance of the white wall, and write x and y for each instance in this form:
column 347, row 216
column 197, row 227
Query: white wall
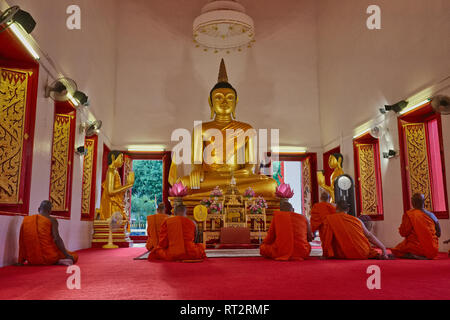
column 88, row 57
column 360, row 70
column 163, row 81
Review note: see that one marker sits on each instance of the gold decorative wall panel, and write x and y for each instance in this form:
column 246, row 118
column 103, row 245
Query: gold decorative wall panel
column 417, row 161
column 60, row 162
column 88, row 165
column 367, row 179
column 13, row 94
column 307, row 187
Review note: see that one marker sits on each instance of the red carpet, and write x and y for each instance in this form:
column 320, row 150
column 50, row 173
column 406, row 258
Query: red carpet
column 115, row 275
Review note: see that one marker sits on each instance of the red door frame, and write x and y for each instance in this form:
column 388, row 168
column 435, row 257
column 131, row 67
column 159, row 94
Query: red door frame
column 91, row 215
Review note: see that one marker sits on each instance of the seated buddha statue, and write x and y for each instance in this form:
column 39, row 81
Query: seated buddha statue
column 220, row 167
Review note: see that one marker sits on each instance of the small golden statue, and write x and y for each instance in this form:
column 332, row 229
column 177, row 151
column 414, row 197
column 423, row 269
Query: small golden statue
column 205, row 176
column 113, row 191
column 334, row 162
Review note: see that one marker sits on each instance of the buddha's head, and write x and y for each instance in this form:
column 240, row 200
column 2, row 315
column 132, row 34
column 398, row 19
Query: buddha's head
column 223, row 97
column 335, row 160
column 115, row 158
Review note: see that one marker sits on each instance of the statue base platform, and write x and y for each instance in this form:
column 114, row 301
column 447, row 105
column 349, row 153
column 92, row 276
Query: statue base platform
column 212, row 227
column 101, row 234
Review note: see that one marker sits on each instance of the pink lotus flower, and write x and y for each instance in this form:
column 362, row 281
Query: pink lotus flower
column 284, row 191
column 249, row 193
column 178, row 190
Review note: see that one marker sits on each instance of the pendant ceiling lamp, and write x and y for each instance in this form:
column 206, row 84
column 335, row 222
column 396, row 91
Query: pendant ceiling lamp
column 223, row 26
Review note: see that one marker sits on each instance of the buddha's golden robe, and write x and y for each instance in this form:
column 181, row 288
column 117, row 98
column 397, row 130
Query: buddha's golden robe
column 219, row 162
column 111, row 203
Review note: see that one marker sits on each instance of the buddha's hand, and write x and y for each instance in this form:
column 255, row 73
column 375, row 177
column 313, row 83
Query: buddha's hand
column 130, row 178
column 196, row 177
column 320, row 178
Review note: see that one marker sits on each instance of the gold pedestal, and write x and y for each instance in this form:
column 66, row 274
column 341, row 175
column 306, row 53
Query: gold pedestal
column 101, row 234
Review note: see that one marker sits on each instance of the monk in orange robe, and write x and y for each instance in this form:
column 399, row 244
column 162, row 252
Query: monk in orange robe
column 176, row 239
column 346, row 237
column 154, row 222
column 288, row 236
column 421, row 230
column 320, row 210
column 40, row 242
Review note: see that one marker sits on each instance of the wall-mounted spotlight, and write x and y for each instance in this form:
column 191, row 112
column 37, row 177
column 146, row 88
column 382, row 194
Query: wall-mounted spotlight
column 16, row 15
column 82, row 151
column 390, row 154
column 399, row 106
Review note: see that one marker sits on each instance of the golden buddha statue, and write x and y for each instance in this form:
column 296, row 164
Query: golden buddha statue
column 219, row 169
column 113, row 191
column 334, row 162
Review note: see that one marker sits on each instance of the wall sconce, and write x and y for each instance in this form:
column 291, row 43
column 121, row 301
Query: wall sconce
column 90, row 128
column 81, row 98
column 15, row 15
column 390, row 154
column 399, row 106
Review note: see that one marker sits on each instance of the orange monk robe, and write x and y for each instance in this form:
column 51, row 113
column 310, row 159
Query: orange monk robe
column 154, row 222
column 419, row 232
column 343, row 237
column 176, row 241
column 287, row 237
column 318, row 212
column 36, row 244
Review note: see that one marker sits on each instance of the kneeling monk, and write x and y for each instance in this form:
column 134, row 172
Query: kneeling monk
column 39, row 241
column 421, row 230
column 176, row 239
column 320, row 210
column 345, row 237
column 288, row 236
column 154, row 222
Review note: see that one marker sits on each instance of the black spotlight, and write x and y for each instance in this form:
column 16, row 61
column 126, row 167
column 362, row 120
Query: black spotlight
column 390, row 154
column 399, row 106
column 81, row 97
column 82, row 151
column 15, row 14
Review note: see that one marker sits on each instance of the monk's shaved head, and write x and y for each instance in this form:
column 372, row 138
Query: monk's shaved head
column 324, row 196
column 342, row 206
column 418, row 201
column 180, row 210
column 45, row 207
column 286, row 206
column 161, row 207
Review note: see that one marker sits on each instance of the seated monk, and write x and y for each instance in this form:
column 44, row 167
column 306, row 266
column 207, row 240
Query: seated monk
column 320, row 210
column 39, row 241
column 288, row 236
column 176, row 239
column 154, row 222
column 421, row 230
column 345, row 237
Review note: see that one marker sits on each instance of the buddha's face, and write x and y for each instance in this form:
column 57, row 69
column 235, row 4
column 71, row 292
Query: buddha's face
column 333, row 162
column 223, row 101
column 118, row 162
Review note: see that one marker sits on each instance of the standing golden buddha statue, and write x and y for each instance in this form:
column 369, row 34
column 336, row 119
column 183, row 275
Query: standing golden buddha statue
column 334, row 162
column 113, row 191
column 238, row 161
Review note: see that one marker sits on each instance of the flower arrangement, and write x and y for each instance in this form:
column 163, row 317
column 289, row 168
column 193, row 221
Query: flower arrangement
column 258, row 206
column 284, row 191
column 215, row 207
column 249, row 193
column 216, row 192
column 206, row 202
column 178, row 190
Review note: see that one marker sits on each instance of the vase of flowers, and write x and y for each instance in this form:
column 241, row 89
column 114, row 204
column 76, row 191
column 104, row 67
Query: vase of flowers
column 258, row 206
column 249, row 193
column 216, row 193
column 215, row 207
